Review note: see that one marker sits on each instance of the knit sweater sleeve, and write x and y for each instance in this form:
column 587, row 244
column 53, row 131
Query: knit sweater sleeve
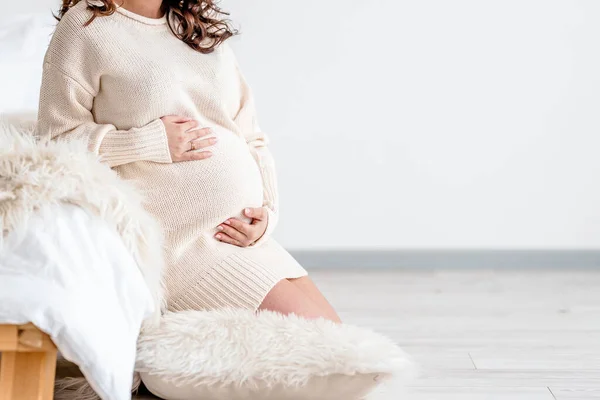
column 258, row 142
column 65, row 112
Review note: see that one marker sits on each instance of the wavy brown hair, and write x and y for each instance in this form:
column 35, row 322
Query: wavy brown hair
column 195, row 22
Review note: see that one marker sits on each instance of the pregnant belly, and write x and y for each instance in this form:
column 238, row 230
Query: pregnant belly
column 201, row 194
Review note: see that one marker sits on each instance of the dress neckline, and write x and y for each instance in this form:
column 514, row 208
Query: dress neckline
column 140, row 18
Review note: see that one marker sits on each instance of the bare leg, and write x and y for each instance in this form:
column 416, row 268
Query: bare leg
column 300, row 297
column 287, row 298
column 308, row 287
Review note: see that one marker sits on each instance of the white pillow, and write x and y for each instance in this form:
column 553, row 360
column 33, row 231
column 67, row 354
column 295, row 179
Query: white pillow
column 236, row 354
column 23, row 43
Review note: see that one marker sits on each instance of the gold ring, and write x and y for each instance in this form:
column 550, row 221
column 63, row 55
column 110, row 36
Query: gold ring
column 192, row 146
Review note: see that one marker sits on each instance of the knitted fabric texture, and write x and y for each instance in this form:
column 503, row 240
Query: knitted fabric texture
column 109, row 84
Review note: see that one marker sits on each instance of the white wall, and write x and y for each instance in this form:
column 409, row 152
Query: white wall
column 429, row 124
column 29, row 6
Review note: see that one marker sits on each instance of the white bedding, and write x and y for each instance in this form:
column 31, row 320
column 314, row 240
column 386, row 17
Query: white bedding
column 71, row 275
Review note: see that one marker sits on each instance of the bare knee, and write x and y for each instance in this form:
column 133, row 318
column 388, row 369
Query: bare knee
column 286, row 298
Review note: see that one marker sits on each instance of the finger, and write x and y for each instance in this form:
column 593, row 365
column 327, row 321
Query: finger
column 198, row 133
column 240, row 226
column 195, row 156
column 233, row 233
column 187, row 125
column 256, row 213
column 200, row 144
column 226, row 239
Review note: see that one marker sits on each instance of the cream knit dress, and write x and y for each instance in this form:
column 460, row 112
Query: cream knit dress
column 110, row 83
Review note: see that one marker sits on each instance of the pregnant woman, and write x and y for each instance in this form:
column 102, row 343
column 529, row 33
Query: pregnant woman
column 153, row 88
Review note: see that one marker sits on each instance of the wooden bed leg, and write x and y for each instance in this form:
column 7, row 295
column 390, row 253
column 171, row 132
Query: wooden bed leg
column 27, row 375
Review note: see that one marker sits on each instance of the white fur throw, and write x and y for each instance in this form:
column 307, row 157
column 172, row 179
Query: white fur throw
column 34, row 176
column 237, row 354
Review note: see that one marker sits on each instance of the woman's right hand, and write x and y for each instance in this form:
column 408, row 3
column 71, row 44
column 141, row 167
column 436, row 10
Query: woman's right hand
column 184, row 142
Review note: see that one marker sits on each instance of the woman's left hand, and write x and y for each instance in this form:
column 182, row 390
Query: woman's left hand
column 243, row 234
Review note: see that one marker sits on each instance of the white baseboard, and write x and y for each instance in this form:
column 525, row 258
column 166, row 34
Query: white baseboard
column 439, row 259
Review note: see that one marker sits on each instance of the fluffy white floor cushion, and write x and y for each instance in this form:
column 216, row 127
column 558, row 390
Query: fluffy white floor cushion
column 236, row 354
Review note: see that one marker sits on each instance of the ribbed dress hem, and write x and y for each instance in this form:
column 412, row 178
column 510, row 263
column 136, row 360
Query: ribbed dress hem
column 235, row 282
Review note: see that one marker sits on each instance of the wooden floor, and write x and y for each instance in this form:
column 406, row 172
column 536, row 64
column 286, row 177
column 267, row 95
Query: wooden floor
column 481, row 335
